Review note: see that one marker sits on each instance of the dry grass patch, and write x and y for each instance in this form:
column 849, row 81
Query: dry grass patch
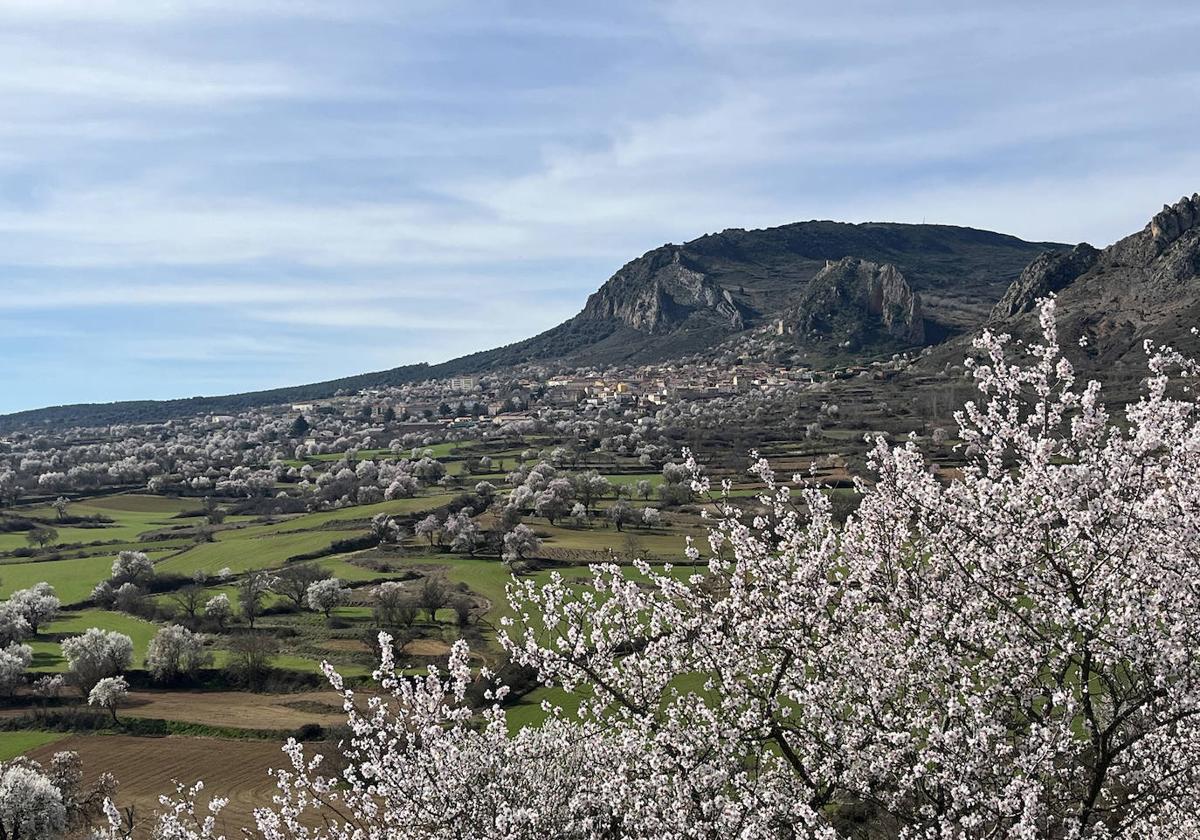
column 240, row 709
column 427, row 647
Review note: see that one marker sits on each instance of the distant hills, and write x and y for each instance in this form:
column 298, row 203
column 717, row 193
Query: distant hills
column 152, row 411
column 833, row 289
column 680, row 299
column 1144, row 287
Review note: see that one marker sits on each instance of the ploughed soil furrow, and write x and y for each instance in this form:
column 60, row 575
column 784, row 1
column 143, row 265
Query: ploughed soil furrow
column 145, row 768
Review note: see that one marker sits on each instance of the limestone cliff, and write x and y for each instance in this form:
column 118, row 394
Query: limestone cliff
column 858, row 302
column 1050, row 272
column 660, row 291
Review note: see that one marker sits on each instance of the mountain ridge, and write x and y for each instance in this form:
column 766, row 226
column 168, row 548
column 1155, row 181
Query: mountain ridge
column 749, row 277
column 1110, row 301
column 678, row 299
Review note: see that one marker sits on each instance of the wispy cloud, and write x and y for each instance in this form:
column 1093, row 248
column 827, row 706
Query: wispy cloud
column 362, row 183
column 35, row 68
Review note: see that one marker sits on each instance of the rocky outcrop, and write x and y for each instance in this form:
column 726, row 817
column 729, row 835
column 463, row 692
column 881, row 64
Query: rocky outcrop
column 891, row 298
column 1173, row 221
column 682, row 300
column 1145, row 286
column 1050, row 272
column 660, row 291
column 859, row 301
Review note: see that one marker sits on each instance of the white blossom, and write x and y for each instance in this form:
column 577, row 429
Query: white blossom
column 96, row 654
column 324, row 595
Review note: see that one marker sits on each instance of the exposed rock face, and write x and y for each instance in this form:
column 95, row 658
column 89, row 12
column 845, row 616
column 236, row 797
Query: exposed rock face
column 660, row 291
column 1173, row 221
column 679, row 300
column 891, row 298
column 1050, row 272
column 1143, row 287
column 858, row 301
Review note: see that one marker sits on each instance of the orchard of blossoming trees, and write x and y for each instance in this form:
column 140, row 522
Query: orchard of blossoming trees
column 1007, row 653
column 258, row 452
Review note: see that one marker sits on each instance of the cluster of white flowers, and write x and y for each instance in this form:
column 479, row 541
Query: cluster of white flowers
column 25, row 611
column 1009, row 654
column 49, row 802
column 519, row 543
column 95, row 655
column 109, row 693
column 325, row 595
column 14, row 662
column 176, row 651
column 31, row 806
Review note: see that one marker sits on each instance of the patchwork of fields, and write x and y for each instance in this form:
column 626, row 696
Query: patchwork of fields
column 202, row 563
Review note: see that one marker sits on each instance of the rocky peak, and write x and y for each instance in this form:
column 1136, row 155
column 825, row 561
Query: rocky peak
column 856, row 299
column 891, row 298
column 1173, row 221
column 1165, row 251
column 1143, row 286
column 1050, row 272
column 659, row 291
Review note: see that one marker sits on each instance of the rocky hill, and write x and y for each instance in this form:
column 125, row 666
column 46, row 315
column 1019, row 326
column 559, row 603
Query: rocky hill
column 1143, row 287
column 679, row 299
column 860, row 289
column 858, row 304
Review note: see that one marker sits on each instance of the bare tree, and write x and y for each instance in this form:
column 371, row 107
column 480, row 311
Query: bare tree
column 292, row 581
column 433, row 596
column 251, row 655
column 252, row 590
column 189, row 599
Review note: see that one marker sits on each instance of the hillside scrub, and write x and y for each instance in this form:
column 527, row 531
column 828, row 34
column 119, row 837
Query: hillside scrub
column 1006, row 654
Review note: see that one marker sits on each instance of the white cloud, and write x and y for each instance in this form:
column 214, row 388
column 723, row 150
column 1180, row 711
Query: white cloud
column 228, row 347
column 36, row 67
column 454, row 178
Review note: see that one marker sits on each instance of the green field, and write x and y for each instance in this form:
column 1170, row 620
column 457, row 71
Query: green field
column 132, row 515
column 250, row 548
column 47, row 655
column 72, row 579
column 13, row 744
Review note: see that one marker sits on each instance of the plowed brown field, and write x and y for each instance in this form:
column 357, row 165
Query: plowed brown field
column 145, row 767
column 240, row 709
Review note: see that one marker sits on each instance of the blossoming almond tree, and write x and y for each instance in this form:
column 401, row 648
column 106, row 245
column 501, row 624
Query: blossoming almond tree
column 1008, row 654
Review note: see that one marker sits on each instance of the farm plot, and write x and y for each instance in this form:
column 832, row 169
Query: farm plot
column 47, row 653
column 131, row 515
column 239, row 709
column 145, row 768
column 250, row 548
column 13, row 744
column 72, row 579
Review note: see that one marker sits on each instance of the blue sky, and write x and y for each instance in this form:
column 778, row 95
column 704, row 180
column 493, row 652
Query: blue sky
column 207, row 197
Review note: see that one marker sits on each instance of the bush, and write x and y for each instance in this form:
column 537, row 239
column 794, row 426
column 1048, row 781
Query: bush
column 309, row 732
